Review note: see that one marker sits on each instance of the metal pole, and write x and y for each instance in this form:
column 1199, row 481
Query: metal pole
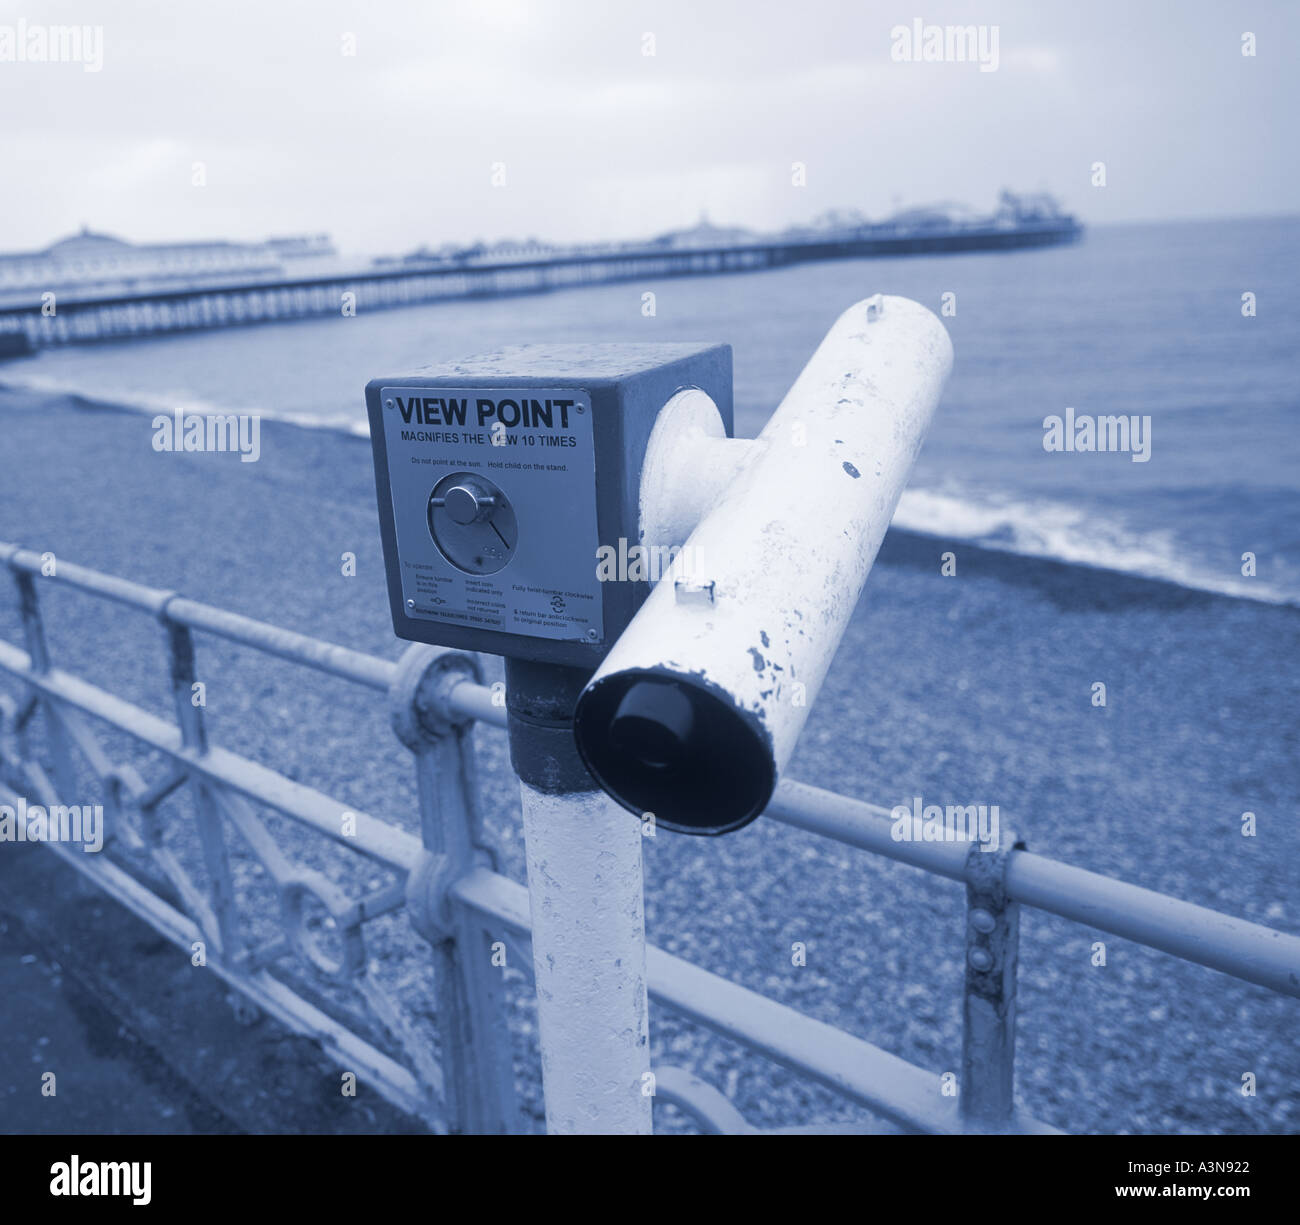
column 588, row 923
column 211, row 826
column 584, row 889
column 988, row 1046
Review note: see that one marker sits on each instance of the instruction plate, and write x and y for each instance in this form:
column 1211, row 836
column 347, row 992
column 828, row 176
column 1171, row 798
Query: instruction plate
column 494, row 508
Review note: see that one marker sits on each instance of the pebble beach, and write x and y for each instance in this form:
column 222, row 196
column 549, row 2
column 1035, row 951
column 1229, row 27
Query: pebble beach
column 970, row 688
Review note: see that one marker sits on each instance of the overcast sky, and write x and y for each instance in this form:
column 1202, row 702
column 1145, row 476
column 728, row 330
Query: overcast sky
column 395, row 146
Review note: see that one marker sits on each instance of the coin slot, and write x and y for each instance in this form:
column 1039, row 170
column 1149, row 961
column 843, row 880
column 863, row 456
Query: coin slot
column 472, row 523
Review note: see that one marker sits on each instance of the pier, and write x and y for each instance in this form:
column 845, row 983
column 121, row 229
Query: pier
column 80, row 319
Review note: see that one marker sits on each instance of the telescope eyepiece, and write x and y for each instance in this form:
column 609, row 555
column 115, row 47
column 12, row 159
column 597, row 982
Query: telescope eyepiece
column 676, row 746
column 654, row 724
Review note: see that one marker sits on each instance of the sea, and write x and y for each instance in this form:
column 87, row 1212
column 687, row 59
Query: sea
column 1194, row 325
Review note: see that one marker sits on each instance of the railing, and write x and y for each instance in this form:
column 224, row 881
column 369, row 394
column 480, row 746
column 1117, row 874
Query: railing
column 448, row 882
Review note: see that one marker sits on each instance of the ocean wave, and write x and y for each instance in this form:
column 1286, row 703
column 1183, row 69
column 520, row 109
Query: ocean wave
column 1037, row 528
column 1072, row 534
column 167, row 402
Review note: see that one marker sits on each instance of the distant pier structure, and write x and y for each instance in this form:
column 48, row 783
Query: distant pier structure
column 84, row 314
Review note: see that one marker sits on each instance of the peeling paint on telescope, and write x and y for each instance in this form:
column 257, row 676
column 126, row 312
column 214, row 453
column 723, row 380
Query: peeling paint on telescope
column 696, row 710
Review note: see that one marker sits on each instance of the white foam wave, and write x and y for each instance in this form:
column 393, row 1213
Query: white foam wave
column 167, row 402
column 1037, row 528
column 1067, row 533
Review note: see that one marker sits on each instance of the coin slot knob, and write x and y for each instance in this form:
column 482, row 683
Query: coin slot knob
column 468, row 502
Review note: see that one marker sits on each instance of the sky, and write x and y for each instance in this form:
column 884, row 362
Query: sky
column 400, row 123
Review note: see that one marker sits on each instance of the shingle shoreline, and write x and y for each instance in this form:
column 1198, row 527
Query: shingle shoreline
column 971, row 689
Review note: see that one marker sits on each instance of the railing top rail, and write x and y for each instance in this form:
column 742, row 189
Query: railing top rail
column 1191, row 932
column 328, row 657
column 1194, row 933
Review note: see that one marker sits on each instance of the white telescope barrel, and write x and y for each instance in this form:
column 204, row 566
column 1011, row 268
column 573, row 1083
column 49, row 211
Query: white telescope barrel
column 696, row 709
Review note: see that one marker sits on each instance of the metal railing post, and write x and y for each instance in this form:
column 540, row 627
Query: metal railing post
column 992, row 944
column 478, row 1076
column 38, row 651
column 211, row 826
column 33, row 627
